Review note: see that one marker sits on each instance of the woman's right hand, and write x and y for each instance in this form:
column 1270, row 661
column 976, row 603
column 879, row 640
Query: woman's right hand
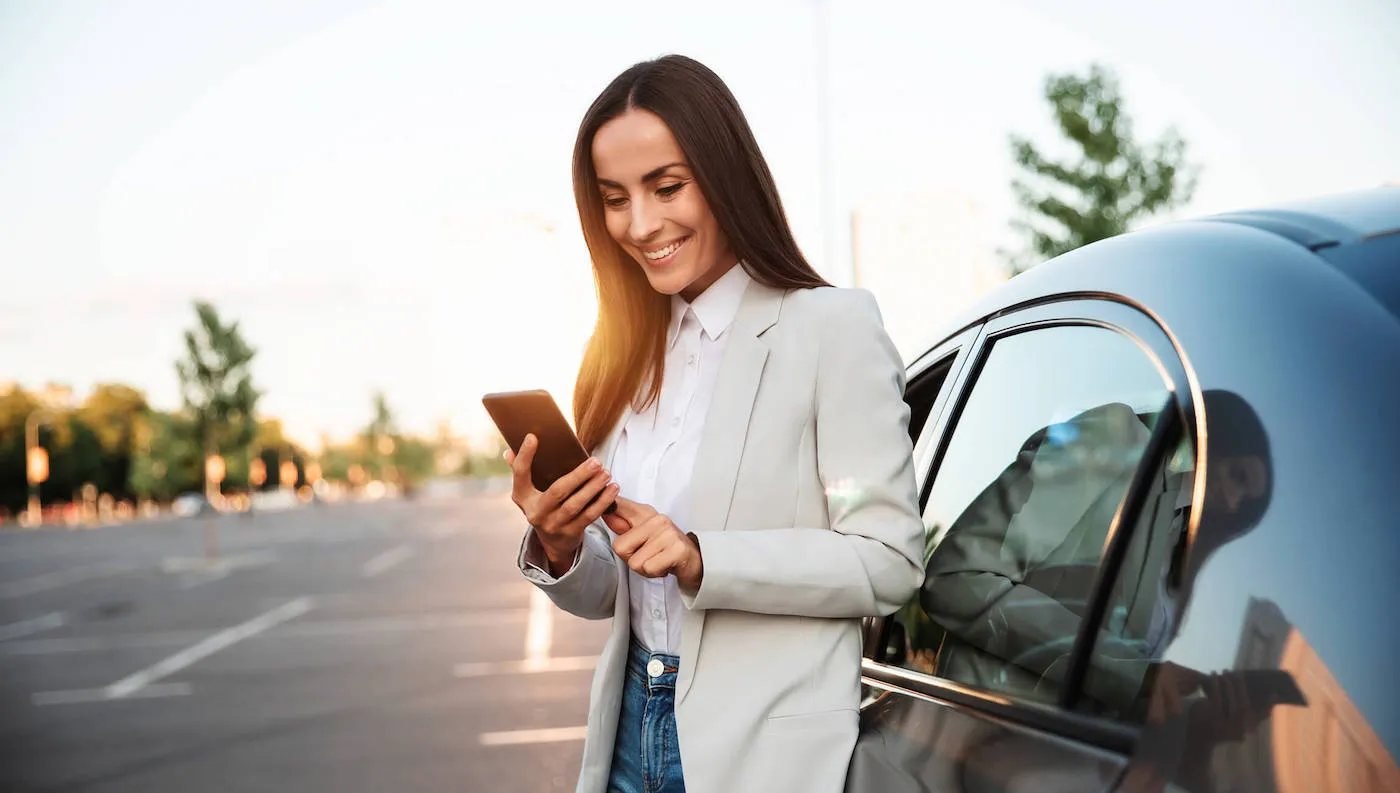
column 560, row 514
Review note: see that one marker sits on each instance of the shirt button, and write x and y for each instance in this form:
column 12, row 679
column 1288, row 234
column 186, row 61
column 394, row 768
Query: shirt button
column 656, row 614
column 655, row 667
column 676, row 421
column 690, row 361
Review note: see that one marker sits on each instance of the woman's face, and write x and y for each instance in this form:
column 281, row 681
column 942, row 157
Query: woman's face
column 654, row 207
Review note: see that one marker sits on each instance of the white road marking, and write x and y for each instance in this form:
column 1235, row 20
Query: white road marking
column 219, row 641
column 517, row 737
column 386, row 560
column 82, row 695
column 298, row 630
column 59, row 578
column 539, row 631
column 25, row 627
column 575, row 663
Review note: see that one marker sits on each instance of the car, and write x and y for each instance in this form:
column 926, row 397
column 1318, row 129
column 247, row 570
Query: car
column 1160, row 483
column 188, row 505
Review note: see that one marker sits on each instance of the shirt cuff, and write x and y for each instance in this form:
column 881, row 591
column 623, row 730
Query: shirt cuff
column 535, row 564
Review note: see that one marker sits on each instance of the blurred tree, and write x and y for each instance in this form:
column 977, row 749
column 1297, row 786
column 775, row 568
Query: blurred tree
column 217, row 385
column 15, row 406
column 1111, row 180
column 116, row 415
column 167, row 460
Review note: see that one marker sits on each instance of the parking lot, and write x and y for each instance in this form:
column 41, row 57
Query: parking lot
column 346, row 647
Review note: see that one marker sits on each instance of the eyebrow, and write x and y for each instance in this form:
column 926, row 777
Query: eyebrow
column 654, row 173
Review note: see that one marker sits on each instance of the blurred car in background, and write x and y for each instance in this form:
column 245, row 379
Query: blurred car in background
column 188, row 505
column 1160, row 480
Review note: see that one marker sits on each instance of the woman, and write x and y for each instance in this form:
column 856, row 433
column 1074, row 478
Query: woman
column 753, row 420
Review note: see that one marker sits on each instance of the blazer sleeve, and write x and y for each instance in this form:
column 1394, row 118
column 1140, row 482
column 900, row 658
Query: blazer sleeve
column 589, row 588
column 870, row 562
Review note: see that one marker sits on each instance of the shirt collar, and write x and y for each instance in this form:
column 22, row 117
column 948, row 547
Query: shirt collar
column 715, row 308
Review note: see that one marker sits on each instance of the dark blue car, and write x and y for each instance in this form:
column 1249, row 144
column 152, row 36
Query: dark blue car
column 1160, row 480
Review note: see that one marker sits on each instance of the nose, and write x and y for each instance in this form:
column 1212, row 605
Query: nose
column 645, row 222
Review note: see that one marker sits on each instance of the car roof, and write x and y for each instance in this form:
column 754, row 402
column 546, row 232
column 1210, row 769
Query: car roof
column 1316, row 223
column 1341, row 230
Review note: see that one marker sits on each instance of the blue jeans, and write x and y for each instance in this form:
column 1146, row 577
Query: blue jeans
column 646, row 753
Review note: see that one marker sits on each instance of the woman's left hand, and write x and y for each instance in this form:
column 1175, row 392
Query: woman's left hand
column 653, row 546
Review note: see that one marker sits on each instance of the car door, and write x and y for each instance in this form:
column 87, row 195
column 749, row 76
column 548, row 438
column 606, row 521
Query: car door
column 1055, row 427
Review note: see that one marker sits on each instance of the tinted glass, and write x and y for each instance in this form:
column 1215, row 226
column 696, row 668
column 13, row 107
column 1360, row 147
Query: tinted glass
column 1036, row 467
column 1276, row 668
column 1142, row 608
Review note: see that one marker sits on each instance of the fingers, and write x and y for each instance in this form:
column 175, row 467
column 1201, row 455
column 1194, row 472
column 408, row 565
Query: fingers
column 595, row 510
column 616, row 524
column 520, row 468
column 654, row 548
column 568, row 483
column 633, row 512
column 574, row 505
column 629, row 542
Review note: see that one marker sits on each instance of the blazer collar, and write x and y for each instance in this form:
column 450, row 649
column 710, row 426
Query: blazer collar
column 727, row 422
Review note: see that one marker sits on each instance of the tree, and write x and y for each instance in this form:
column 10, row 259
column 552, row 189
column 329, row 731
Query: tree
column 115, row 414
column 216, row 384
column 1111, row 181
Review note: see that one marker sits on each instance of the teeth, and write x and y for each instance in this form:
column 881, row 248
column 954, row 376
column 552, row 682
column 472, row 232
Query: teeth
column 664, row 252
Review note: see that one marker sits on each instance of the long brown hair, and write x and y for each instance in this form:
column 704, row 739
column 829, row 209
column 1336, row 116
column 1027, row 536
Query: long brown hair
column 629, row 338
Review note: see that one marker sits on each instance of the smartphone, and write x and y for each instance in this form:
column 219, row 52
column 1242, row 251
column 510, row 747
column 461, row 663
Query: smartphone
column 520, row 413
column 1267, row 688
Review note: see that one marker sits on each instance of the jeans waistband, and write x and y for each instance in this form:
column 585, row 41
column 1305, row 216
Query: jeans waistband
column 657, row 670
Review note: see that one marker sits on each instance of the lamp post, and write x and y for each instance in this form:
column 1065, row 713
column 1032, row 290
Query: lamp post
column 36, row 468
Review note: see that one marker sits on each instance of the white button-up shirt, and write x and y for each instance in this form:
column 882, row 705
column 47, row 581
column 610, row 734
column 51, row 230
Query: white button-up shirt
column 656, row 452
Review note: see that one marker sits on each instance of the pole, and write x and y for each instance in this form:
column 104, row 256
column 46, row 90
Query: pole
column 824, row 135
column 34, row 516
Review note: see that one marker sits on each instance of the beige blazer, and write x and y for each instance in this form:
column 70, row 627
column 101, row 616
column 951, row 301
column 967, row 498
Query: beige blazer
column 806, row 513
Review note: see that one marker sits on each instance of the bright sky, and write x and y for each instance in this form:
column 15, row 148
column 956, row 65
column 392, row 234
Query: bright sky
column 380, row 192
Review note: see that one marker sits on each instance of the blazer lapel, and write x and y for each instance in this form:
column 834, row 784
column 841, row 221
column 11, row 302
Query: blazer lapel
column 726, row 430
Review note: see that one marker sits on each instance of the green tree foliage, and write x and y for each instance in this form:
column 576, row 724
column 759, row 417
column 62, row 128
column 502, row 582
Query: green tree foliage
column 217, row 385
column 1109, row 182
column 168, row 460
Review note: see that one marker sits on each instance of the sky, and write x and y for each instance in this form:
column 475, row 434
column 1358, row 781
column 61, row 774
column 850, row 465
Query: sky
column 379, row 191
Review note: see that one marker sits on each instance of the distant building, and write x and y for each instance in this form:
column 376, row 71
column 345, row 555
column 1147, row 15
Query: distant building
column 925, row 257
column 1326, row 747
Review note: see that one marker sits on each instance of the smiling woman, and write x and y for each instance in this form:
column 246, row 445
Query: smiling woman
column 739, row 402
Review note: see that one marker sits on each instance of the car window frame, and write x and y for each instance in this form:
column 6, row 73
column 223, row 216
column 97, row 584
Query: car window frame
column 1155, row 339
column 958, row 347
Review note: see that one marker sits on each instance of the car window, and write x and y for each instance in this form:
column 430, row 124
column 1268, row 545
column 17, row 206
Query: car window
column 1266, row 642
column 1037, row 464
column 1141, row 612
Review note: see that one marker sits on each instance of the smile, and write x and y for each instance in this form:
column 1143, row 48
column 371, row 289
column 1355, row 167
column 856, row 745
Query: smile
column 666, row 254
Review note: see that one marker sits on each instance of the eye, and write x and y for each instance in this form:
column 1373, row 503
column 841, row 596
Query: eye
column 614, row 201
column 670, row 189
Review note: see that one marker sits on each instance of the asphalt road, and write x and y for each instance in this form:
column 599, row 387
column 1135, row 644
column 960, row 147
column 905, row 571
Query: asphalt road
column 386, row 646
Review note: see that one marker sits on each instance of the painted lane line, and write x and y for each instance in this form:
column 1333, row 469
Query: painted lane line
column 299, row 630
column 517, row 737
column 219, row 641
column 84, row 695
column 386, row 560
column 575, row 663
column 539, row 631
column 36, row 625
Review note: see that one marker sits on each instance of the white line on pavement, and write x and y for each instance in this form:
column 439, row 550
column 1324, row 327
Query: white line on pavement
column 82, row 695
column 25, row 627
column 299, row 630
column 190, row 655
column 575, row 663
column 516, row 737
column 386, row 560
column 539, row 631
